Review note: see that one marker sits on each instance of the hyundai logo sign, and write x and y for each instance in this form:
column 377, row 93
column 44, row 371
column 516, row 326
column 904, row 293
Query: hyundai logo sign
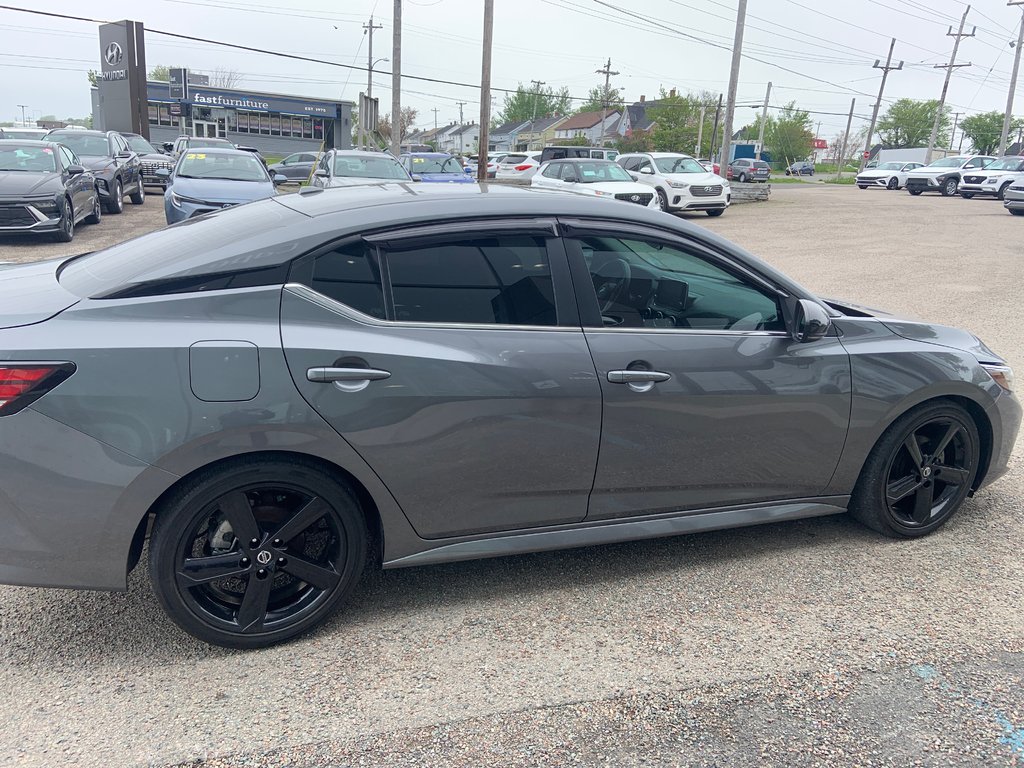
column 113, row 54
column 635, row 198
column 709, row 189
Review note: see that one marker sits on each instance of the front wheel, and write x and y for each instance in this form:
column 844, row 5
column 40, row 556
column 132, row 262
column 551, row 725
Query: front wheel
column 1015, row 212
column 717, row 212
column 138, row 197
column 919, row 473
column 97, row 210
column 662, row 200
column 116, row 202
column 66, row 227
column 255, row 553
column 894, row 183
column 862, row 186
column 1002, row 191
column 915, row 192
column 949, row 187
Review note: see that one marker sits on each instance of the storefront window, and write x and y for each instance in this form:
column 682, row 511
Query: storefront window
column 243, row 122
column 232, row 124
column 318, row 128
column 275, row 125
column 286, row 125
column 165, row 115
column 265, row 124
column 154, row 114
column 307, row 128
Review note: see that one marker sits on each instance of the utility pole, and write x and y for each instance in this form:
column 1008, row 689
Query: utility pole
column 536, row 93
column 368, row 30
column 1013, row 79
column 846, row 136
column 714, row 131
column 435, row 110
column 396, row 79
column 956, row 119
column 764, row 119
column 945, row 85
column 461, row 105
column 878, row 103
column 607, row 72
column 485, row 91
column 734, row 77
column 23, row 106
column 700, row 127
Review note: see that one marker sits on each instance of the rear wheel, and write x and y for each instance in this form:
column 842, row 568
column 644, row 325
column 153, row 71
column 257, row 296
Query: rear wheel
column 894, row 183
column 251, row 554
column 919, row 473
column 1016, row 211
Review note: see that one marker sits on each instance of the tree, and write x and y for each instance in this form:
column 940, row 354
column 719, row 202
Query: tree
column 225, row 78
column 788, row 135
column 598, row 98
column 854, row 143
column 161, row 73
column 985, row 129
column 637, row 141
column 92, row 74
column 408, row 117
column 676, row 122
column 908, row 123
column 524, row 104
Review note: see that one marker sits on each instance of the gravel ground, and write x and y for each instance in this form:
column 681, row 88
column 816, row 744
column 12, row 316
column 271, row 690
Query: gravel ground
column 807, row 643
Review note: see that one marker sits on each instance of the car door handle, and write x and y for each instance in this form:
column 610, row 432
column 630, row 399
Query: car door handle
column 637, row 377
column 328, row 375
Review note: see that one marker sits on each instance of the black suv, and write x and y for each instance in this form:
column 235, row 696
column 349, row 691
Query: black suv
column 569, row 153
column 150, row 158
column 117, row 168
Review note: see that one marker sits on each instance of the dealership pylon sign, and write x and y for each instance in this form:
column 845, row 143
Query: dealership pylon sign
column 121, row 80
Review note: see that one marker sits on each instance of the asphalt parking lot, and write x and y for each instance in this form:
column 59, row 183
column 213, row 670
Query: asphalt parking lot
column 806, row 643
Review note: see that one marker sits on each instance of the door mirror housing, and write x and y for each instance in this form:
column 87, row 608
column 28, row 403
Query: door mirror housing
column 123, row 155
column 321, row 172
column 280, row 178
column 811, row 323
column 76, row 170
column 647, row 170
column 417, row 177
column 168, row 146
column 163, row 173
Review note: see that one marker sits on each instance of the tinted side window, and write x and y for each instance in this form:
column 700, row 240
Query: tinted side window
column 474, row 279
column 643, row 284
column 631, row 163
column 553, row 170
column 66, row 158
column 349, row 274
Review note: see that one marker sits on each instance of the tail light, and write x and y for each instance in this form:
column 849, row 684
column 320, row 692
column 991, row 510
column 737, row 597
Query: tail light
column 523, row 167
column 22, row 384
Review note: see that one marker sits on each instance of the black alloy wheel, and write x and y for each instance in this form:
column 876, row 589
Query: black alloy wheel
column 919, row 473
column 258, row 553
column 66, row 228
column 949, row 187
column 116, row 202
column 97, row 209
column 894, row 183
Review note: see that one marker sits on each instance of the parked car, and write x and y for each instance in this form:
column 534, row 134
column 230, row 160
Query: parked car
column 435, row 168
column 803, row 168
column 680, row 182
column 255, row 153
column 745, row 170
column 600, row 178
column 44, row 188
column 32, row 134
column 943, row 175
column 349, row 167
column 993, row 180
column 518, row 165
column 561, row 152
column 472, row 163
column 275, row 411
column 1013, row 197
column 117, row 169
column 711, row 166
column 184, row 143
column 889, row 175
column 149, row 158
column 210, row 179
column 298, row 166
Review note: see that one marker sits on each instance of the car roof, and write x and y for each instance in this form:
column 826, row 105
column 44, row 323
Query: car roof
column 426, row 154
column 358, row 153
column 223, row 151
column 667, row 154
column 79, row 132
column 31, row 142
column 582, row 160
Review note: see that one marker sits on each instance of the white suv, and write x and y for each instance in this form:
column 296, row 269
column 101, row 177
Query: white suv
column 993, row 180
column 518, row 165
column 944, row 175
column 680, row 182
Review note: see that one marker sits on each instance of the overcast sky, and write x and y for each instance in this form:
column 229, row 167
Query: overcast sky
column 820, row 61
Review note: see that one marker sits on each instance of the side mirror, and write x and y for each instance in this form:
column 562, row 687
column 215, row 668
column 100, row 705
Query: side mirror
column 417, row 177
column 647, row 170
column 163, row 173
column 168, row 146
column 280, row 178
column 812, row 321
column 125, row 155
column 75, row 170
column 321, row 172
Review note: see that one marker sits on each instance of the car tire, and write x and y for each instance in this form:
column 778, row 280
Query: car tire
column 717, row 212
column 787, row 172
column 1002, row 191
column 966, row 195
column 894, row 183
column 66, row 228
column 253, row 596
column 742, row 178
column 138, row 197
column 862, row 186
column 116, row 202
column 97, row 210
column 919, row 472
column 915, row 192
column 662, row 200
column 949, row 187
column 1015, row 212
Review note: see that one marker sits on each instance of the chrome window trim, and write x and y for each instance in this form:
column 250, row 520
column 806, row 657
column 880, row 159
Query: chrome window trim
column 690, row 331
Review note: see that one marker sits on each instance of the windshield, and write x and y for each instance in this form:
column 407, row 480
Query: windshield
column 948, row 162
column 436, row 165
column 194, row 142
column 27, row 158
column 588, row 173
column 1005, row 164
column 369, row 168
column 140, row 145
column 208, row 165
column 95, row 146
column 678, row 165
column 890, row 166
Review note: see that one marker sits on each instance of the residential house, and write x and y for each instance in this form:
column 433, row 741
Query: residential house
column 538, row 133
column 637, row 118
column 467, row 140
column 446, row 139
column 589, row 125
column 504, row 137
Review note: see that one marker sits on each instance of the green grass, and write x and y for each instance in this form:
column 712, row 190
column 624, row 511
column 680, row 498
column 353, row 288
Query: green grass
column 844, row 180
column 782, row 179
column 271, row 159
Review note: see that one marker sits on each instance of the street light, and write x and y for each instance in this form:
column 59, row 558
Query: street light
column 369, row 79
column 23, row 106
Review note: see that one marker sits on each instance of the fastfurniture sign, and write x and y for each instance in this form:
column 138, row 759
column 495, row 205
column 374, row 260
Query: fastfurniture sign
column 258, row 103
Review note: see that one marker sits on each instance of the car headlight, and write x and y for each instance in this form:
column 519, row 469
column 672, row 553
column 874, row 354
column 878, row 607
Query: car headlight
column 1001, row 375
column 599, row 193
column 676, row 184
column 44, row 206
column 177, row 200
column 992, row 180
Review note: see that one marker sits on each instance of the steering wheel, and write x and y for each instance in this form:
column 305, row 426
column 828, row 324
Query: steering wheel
column 615, row 275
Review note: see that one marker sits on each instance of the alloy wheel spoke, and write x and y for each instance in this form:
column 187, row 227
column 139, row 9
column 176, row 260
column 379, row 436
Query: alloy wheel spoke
column 202, row 570
column 900, row 489
column 308, row 514
column 952, row 475
column 253, row 611
column 235, row 507
column 914, row 449
column 320, row 576
column 950, row 434
column 923, row 505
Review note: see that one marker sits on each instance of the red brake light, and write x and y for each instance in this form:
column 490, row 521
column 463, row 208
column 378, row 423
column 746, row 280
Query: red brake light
column 24, row 383
column 523, row 167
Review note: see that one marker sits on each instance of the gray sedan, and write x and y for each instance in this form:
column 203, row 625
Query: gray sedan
column 284, row 394
column 1013, row 197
